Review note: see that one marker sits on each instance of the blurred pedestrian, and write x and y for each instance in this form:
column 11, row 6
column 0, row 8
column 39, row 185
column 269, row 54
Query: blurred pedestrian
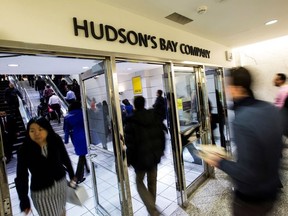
column 43, row 109
column 76, row 89
column 160, row 105
column 9, row 133
column 106, row 118
column 145, row 141
column 44, row 158
column 280, row 81
column 40, row 86
column 258, row 137
column 93, row 104
column 11, row 98
column 31, row 79
column 47, row 93
column 54, row 103
column 70, row 95
column 128, row 107
column 74, row 128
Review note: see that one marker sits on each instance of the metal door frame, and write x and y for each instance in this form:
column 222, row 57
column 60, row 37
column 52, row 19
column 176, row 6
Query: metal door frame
column 119, row 153
column 218, row 73
column 61, row 51
column 182, row 191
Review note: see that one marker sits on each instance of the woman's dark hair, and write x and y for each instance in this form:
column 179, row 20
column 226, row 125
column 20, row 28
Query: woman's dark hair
column 45, row 124
column 126, row 102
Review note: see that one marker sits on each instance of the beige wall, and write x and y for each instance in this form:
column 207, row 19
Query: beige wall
column 50, row 23
column 265, row 59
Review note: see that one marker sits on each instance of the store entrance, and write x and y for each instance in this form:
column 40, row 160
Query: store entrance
column 107, row 84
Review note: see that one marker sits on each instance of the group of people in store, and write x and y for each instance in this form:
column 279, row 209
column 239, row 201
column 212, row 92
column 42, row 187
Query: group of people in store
column 258, row 129
column 50, row 103
column 8, row 116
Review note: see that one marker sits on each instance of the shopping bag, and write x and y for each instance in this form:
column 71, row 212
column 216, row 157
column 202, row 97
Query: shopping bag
column 77, row 196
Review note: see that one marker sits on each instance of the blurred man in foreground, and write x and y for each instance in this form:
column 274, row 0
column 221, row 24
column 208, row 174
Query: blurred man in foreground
column 258, row 132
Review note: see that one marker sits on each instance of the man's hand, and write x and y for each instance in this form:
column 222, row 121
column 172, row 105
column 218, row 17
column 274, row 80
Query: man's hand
column 212, row 159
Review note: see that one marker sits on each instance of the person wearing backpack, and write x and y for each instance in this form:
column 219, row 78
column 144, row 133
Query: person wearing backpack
column 145, row 142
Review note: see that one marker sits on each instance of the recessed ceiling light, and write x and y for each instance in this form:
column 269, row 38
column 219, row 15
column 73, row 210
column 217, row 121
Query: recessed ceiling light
column 271, row 22
column 85, row 67
column 13, row 65
column 129, row 68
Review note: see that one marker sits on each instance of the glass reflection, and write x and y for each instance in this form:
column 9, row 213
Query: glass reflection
column 189, row 121
column 99, row 122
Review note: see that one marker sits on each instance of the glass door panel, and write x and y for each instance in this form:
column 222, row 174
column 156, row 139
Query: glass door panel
column 215, row 88
column 110, row 189
column 187, row 96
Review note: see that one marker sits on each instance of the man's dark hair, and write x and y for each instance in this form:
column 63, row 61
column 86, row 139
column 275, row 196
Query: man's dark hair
column 160, row 92
column 240, row 76
column 139, row 102
column 282, row 76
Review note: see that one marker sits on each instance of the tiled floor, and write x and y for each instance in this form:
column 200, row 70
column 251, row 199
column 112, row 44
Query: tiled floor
column 212, row 198
column 108, row 188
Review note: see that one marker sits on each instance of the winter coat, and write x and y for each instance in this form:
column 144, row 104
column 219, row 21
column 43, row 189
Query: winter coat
column 44, row 171
column 145, row 139
column 74, row 127
column 11, row 96
column 160, row 107
column 258, row 131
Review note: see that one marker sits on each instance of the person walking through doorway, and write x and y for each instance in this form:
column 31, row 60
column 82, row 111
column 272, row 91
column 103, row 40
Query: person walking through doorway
column 145, row 141
column 44, row 158
column 159, row 105
column 258, row 137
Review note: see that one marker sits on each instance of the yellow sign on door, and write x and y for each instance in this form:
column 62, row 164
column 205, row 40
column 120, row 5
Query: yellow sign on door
column 179, row 104
column 137, row 85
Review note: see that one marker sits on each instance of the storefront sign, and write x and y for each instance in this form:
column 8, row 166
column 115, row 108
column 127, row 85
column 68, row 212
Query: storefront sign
column 121, row 35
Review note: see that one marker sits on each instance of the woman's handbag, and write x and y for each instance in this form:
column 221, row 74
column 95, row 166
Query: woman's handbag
column 77, row 195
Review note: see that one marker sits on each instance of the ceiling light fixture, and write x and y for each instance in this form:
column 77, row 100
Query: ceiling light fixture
column 13, row 65
column 271, row 22
column 85, row 67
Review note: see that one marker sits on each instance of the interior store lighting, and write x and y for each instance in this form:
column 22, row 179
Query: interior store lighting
column 13, row 65
column 271, row 22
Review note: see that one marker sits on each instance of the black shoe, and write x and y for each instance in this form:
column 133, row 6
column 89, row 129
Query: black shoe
column 88, row 170
column 80, row 181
